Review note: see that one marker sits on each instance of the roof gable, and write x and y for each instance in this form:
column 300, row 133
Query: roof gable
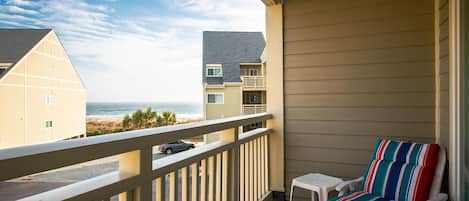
column 17, row 42
column 230, row 49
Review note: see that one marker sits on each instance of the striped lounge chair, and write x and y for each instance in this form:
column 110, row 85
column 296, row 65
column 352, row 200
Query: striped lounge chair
column 400, row 171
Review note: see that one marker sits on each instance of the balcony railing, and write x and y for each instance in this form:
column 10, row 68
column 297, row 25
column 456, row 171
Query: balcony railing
column 253, row 108
column 234, row 168
column 253, row 82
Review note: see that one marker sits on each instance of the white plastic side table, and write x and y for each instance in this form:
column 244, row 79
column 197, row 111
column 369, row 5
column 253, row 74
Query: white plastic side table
column 316, row 183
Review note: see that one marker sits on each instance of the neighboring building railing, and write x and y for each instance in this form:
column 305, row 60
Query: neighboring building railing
column 253, row 108
column 234, row 168
column 253, row 81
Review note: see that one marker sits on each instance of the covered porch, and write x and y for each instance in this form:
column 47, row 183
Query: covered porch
column 347, row 73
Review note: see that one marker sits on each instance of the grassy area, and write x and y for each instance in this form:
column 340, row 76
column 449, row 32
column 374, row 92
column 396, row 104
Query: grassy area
column 101, row 126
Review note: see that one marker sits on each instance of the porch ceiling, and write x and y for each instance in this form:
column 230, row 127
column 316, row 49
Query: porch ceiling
column 272, row 2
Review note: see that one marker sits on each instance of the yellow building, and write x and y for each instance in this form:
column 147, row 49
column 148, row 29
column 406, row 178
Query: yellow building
column 233, row 74
column 42, row 97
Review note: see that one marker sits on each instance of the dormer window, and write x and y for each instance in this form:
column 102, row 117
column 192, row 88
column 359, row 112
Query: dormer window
column 214, row 70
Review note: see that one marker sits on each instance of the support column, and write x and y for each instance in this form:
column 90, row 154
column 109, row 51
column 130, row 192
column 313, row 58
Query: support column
column 275, row 95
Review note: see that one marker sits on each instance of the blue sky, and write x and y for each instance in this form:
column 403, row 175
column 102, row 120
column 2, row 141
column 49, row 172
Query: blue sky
column 136, row 50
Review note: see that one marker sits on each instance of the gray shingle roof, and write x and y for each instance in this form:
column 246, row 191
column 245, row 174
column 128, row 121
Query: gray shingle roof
column 15, row 43
column 230, row 49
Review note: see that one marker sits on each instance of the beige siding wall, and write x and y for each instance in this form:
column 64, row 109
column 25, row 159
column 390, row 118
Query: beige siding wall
column 230, row 107
column 46, row 71
column 355, row 71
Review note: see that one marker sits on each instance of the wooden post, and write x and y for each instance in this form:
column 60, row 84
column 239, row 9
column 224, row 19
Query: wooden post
column 232, row 185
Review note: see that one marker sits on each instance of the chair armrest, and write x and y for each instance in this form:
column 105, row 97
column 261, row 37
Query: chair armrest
column 439, row 197
column 349, row 186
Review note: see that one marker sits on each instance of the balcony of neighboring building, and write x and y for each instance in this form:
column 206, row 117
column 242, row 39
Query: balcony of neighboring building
column 254, row 102
column 253, row 76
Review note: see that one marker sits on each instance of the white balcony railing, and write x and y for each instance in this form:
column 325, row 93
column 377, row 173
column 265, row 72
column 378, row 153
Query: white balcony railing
column 235, row 168
column 254, row 82
column 253, row 108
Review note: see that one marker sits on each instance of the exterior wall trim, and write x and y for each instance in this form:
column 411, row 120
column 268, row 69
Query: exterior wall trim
column 455, row 173
column 219, row 86
column 245, row 64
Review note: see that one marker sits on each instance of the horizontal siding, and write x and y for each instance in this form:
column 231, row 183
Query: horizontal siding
column 363, row 114
column 361, row 85
column 341, row 142
column 355, row 71
column 360, row 71
column 387, row 55
column 363, row 28
column 302, row 7
column 353, row 128
column 424, row 99
column 365, row 12
column 380, row 41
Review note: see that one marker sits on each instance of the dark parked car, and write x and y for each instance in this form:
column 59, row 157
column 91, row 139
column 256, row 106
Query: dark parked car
column 173, row 147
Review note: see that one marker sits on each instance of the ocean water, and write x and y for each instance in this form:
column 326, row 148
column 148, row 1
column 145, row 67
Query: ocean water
column 101, row 109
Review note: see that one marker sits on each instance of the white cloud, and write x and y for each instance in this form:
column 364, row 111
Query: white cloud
column 21, row 2
column 141, row 58
column 19, row 10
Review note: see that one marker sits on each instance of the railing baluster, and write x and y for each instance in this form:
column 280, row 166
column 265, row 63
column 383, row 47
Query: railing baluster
column 259, row 167
column 254, row 141
column 218, row 178
column 246, row 172
column 184, row 184
column 211, row 179
column 173, row 186
column 160, row 184
column 203, row 180
column 194, row 181
column 266, row 155
column 262, row 171
column 224, row 175
column 251, row 171
column 241, row 172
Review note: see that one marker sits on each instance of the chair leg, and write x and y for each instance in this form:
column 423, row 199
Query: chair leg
column 291, row 192
column 313, row 196
column 323, row 195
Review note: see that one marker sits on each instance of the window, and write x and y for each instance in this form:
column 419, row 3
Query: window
column 48, row 100
column 48, row 124
column 215, row 98
column 252, row 72
column 214, row 70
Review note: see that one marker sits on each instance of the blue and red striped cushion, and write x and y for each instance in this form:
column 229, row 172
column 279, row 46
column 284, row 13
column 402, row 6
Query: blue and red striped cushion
column 359, row 196
column 401, row 170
